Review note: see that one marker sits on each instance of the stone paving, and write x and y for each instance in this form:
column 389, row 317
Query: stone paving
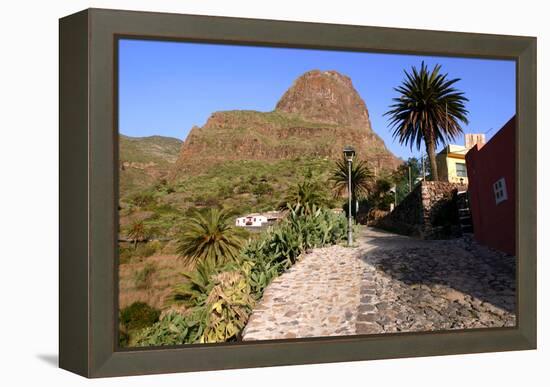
column 388, row 283
column 313, row 298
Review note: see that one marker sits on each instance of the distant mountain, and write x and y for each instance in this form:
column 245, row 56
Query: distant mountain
column 316, row 117
column 145, row 160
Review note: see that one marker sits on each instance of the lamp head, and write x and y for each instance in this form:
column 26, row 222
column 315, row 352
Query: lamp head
column 349, row 152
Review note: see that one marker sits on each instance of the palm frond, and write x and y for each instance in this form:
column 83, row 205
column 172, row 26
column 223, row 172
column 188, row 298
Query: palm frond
column 361, row 178
column 209, row 238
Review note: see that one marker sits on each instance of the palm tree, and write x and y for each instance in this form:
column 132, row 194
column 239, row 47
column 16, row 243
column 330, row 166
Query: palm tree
column 429, row 108
column 361, row 179
column 137, row 233
column 208, row 238
column 307, row 192
column 194, row 291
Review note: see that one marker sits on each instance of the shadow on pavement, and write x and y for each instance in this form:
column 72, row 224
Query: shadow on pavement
column 459, row 264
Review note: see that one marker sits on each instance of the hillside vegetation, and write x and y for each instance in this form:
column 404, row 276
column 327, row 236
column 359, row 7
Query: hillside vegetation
column 144, row 160
column 242, row 186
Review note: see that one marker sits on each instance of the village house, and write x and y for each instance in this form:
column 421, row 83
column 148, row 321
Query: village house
column 251, row 220
column 259, row 219
column 451, row 164
column 492, row 176
column 451, row 161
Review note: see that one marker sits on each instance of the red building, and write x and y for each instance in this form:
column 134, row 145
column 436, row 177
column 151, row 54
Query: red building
column 492, row 189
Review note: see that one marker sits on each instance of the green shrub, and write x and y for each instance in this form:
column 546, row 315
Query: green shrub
column 123, row 336
column 142, row 278
column 166, row 208
column 172, row 329
column 262, row 188
column 138, row 315
column 225, row 191
column 305, row 227
column 194, row 290
column 143, row 250
column 125, row 254
column 143, row 199
column 243, row 187
column 148, row 249
column 163, row 187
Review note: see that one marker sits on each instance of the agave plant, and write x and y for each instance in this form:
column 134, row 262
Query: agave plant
column 209, row 238
column 229, row 304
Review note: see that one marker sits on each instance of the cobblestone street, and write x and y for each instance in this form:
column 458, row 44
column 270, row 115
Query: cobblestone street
column 388, row 283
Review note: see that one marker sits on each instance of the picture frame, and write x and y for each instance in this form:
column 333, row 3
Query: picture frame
column 88, row 192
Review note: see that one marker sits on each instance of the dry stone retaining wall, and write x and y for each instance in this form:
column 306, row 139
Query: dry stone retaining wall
column 419, row 213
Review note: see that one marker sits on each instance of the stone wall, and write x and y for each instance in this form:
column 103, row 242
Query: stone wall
column 428, row 212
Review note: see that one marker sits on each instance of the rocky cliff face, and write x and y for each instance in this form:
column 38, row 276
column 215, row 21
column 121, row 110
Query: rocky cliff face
column 316, row 117
column 326, row 97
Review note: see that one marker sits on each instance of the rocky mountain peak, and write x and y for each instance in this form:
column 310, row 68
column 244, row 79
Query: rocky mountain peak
column 325, row 96
column 316, row 117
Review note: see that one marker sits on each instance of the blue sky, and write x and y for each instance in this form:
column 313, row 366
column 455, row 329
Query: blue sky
column 167, row 87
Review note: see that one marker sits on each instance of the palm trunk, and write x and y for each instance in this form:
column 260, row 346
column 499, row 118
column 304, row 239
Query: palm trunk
column 430, row 149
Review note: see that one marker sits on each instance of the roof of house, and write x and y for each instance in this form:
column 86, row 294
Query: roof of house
column 453, row 150
column 269, row 214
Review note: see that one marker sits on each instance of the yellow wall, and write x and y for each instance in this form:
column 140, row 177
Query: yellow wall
column 446, row 166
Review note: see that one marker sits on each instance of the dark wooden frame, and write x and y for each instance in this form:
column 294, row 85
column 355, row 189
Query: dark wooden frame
column 88, row 223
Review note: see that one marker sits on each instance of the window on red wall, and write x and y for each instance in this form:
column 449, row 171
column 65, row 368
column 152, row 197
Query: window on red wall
column 499, row 189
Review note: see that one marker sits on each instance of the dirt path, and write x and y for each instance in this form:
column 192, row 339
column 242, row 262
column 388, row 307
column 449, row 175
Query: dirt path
column 387, row 283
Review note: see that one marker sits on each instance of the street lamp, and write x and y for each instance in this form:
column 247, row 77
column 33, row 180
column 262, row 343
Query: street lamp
column 349, row 152
column 393, row 190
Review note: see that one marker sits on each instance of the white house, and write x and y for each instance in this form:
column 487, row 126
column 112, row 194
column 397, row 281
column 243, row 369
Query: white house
column 252, row 220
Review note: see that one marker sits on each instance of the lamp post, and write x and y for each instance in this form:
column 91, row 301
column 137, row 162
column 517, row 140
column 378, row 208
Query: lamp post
column 349, row 152
column 393, row 190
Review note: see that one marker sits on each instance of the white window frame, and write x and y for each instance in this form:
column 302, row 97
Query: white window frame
column 499, row 190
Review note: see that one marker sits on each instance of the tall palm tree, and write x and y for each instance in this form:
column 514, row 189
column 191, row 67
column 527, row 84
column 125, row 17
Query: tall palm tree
column 428, row 109
column 209, row 238
column 361, row 179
